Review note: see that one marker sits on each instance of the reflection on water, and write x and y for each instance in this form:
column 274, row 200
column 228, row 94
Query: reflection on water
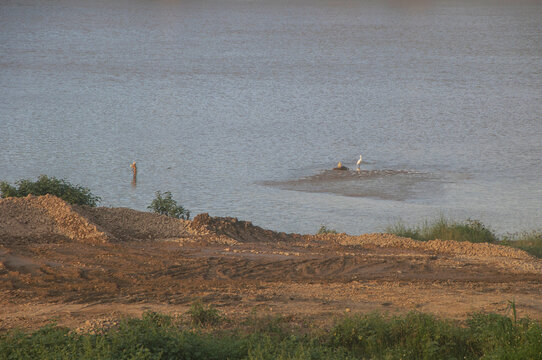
column 213, row 97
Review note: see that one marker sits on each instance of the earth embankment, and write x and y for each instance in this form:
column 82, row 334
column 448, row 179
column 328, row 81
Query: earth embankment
column 78, row 263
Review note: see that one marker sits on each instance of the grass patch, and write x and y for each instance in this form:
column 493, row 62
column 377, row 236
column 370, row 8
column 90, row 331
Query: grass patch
column 469, row 230
column 369, row 336
column 530, row 242
column 444, row 229
column 73, row 194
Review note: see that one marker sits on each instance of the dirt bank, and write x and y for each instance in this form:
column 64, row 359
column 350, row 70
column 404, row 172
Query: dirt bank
column 80, row 264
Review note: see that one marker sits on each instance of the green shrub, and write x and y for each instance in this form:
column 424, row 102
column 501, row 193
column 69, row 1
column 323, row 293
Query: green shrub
column 152, row 337
column 73, row 194
column 423, row 336
column 272, row 325
column 204, row 315
column 400, row 229
column 413, row 336
column 500, row 337
column 164, row 204
column 325, row 230
column 372, row 336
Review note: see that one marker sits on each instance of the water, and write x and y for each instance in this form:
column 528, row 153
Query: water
column 215, row 100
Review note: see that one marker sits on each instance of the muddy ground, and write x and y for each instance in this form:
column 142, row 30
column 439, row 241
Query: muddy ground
column 82, row 265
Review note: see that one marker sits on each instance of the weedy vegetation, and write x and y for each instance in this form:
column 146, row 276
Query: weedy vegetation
column 164, row 204
column 73, row 194
column 201, row 314
column 369, row 336
column 325, row 230
column 444, row 229
column 530, row 242
column 469, row 230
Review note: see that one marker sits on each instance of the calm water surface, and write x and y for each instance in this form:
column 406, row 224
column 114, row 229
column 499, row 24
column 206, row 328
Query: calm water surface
column 226, row 103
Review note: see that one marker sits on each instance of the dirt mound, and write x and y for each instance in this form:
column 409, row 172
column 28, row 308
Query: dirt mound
column 504, row 257
column 81, row 263
column 242, row 231
column 450, row 247
column 50, row 219
column 44, row 219
column 123, row 224
column 20, row 221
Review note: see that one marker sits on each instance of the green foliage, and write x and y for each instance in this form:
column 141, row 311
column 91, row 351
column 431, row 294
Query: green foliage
column 325, row 230
column 293, row 347
column 370, row 336
column 73, row 194
column 402, row 230
column 512, row 307
column 271, row 325
column 152, row 337
column 414, row 336
column 530, row 242
column 444, row 229
column 469, row 230
column 500, row 337
column 164, row 204
column 204, row 315
column 423, row 336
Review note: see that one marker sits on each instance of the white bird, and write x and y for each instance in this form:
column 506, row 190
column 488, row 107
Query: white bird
column 359, row 162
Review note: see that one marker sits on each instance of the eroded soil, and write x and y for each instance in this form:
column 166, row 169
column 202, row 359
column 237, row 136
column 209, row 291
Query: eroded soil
column 80, row 265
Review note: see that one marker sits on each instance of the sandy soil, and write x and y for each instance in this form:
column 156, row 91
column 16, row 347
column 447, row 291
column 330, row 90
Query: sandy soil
column 82, row 265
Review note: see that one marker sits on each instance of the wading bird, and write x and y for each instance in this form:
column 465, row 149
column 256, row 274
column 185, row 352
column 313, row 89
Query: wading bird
column 359, row 163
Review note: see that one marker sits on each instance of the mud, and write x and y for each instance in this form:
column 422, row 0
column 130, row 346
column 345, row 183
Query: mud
column 79, row 264
column 396, row 185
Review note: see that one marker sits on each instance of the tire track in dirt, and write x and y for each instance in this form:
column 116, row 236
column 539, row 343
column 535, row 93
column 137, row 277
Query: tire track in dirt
column 51, row 252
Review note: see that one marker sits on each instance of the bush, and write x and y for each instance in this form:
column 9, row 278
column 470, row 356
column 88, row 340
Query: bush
column 204, row 315
column 164, row 204
column 372, row 336
column 325, row 230
column 424, row 336
column 152, row 337
column 73, row 194
column 413, row 336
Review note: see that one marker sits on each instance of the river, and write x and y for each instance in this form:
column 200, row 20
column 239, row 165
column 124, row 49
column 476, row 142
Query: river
column 239, row 108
